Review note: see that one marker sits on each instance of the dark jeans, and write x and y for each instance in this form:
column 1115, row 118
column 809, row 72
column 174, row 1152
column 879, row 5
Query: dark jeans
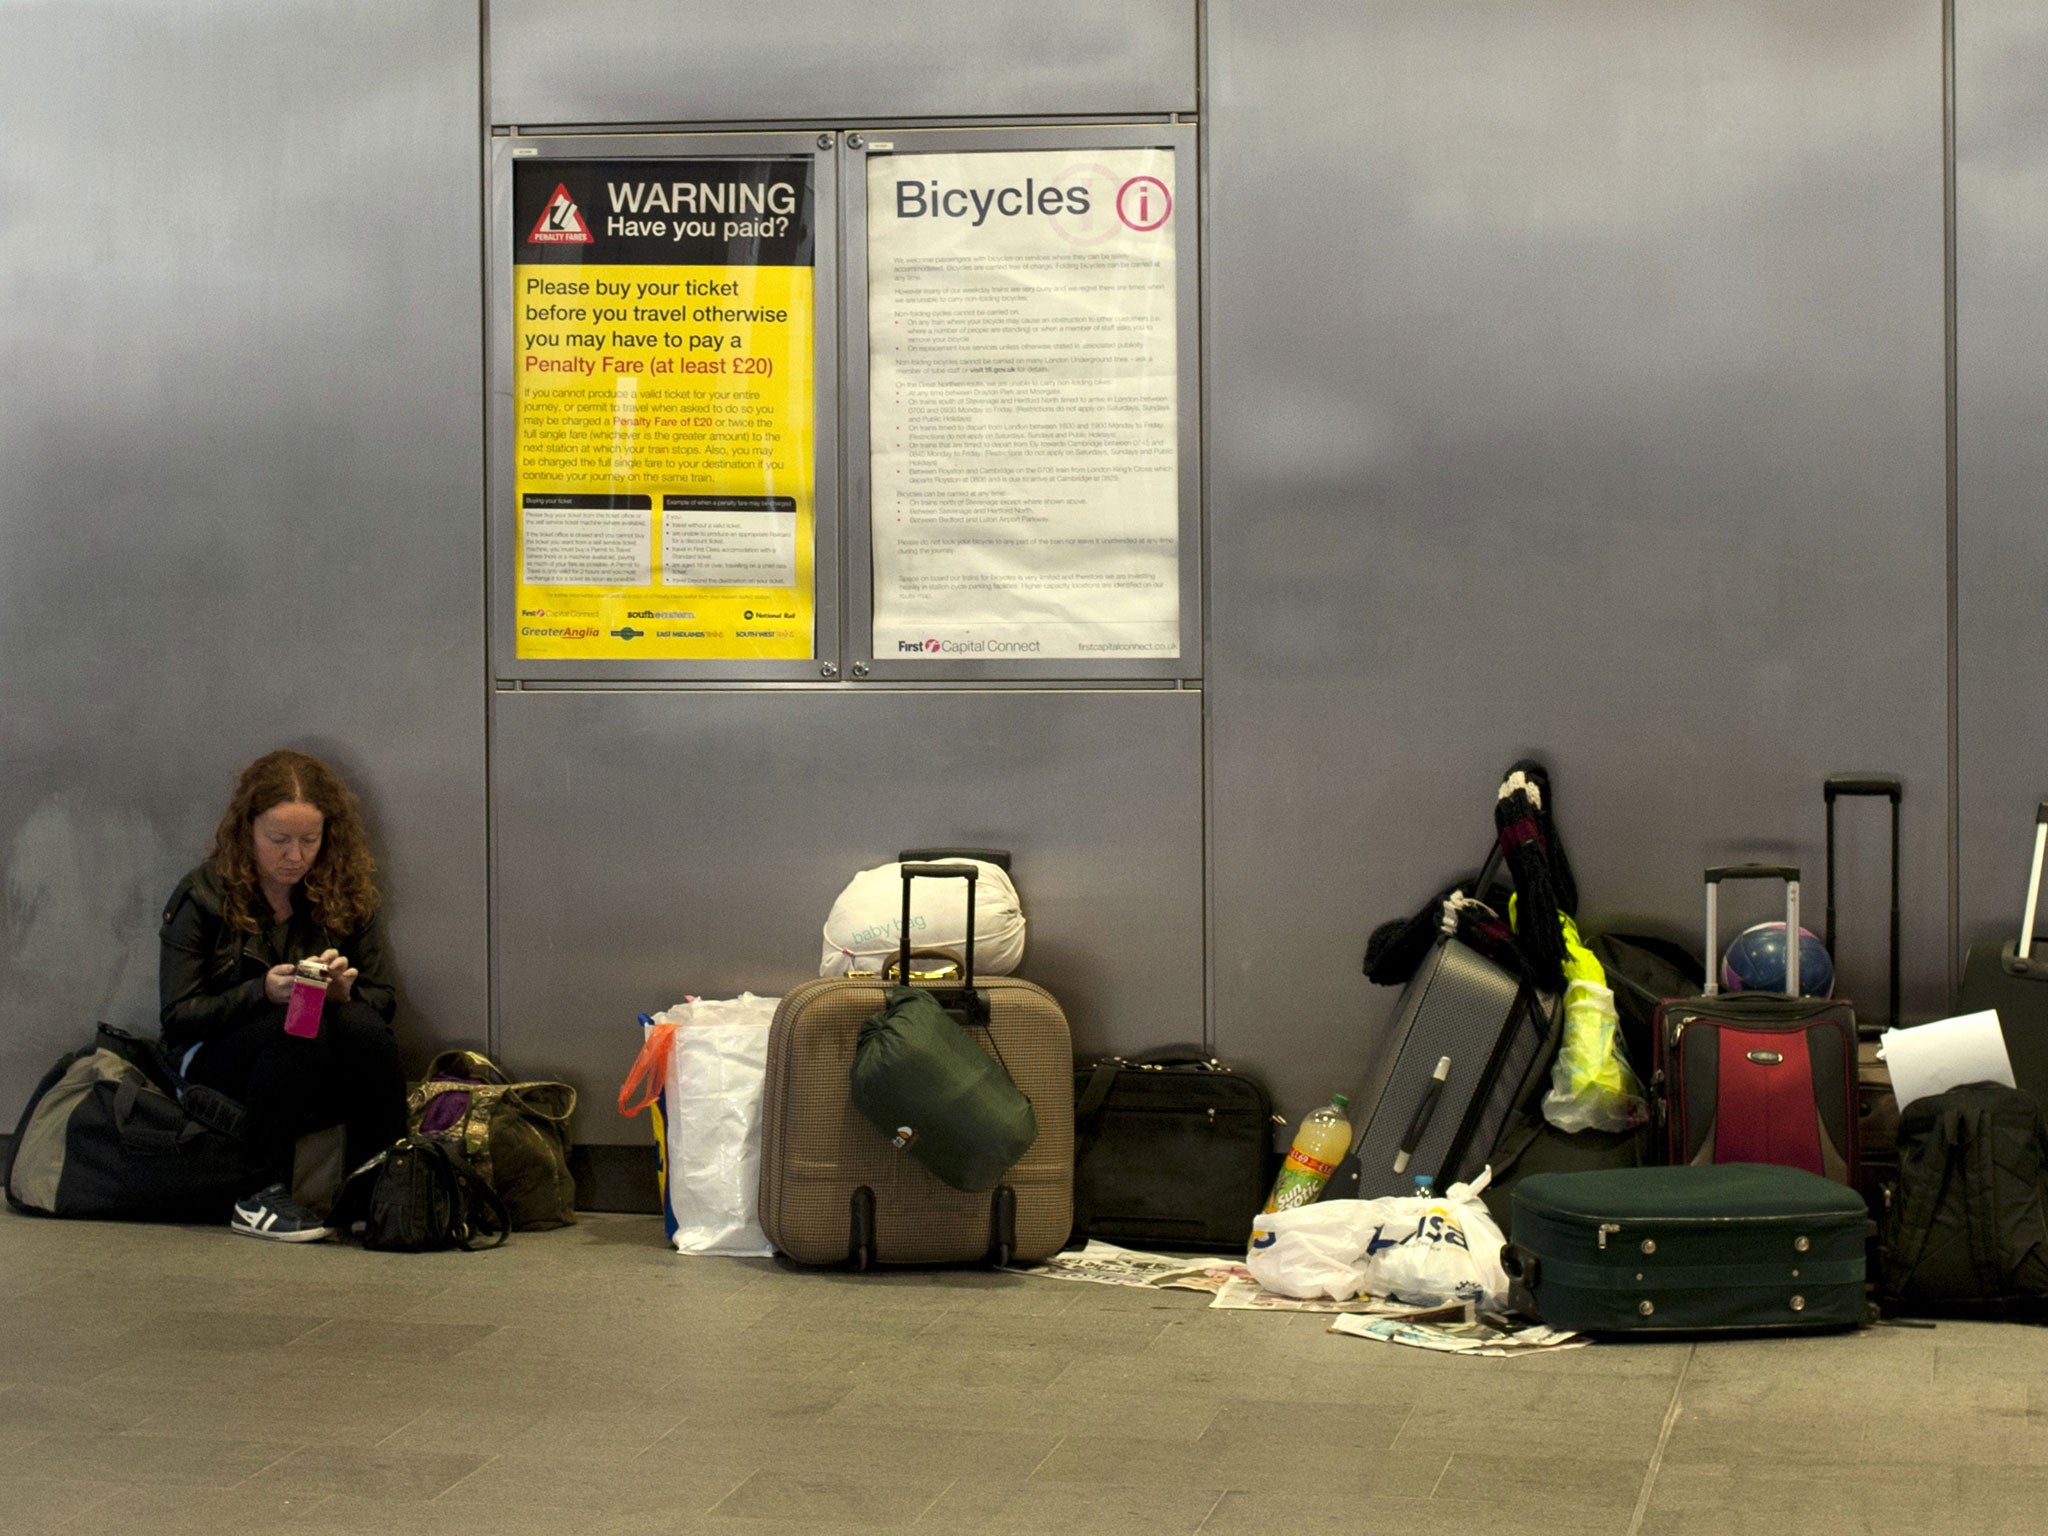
column 347, row 1075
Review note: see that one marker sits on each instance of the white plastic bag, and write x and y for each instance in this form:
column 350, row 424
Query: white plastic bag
column 866, row 925
column 1312, row 1250
column 1426, row 1252
column 1439, row 1250
column 709, row 1121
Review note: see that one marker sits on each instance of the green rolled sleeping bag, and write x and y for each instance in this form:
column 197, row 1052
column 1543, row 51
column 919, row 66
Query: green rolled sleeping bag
column 923, row 1080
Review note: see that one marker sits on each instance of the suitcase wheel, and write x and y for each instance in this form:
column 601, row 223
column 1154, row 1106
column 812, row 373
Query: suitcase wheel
column 1002, row 1225
column 1520, row 1264
column 861, row 1239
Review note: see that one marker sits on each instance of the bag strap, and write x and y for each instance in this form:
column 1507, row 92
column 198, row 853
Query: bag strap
column 147, row 1138
column 1916, row 1217
column 649, row 1074
column 471, row 1065
column 1101, row 1078
column 1980, row 1201
column 472, row 1190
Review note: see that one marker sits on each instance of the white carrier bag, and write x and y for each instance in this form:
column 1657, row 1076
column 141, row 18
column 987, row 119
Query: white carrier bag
column 703, row 1066
column 865, row 926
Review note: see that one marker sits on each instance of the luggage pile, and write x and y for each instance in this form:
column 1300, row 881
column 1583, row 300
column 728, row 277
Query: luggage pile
column 1615, row 1136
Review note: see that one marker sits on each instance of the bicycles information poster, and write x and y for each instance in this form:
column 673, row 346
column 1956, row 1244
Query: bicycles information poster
column 1022, row 336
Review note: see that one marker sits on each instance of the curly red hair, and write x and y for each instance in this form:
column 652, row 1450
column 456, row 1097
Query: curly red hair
column 340, row 886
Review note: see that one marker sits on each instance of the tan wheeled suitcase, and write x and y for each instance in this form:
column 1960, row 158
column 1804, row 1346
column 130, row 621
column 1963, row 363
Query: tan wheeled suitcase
column 835, row 1190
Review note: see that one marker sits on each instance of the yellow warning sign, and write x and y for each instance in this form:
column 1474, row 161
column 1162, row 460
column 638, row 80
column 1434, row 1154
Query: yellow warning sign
column 663, row 346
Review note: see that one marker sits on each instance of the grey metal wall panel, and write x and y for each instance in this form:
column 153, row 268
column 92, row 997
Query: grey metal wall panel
column 652, row 845
column 2002, row 450
column 1576, row 386
column 242, row 505
column 653, row 61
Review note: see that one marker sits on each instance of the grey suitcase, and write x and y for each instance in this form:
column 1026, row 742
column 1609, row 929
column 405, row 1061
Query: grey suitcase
column 1465, row 1040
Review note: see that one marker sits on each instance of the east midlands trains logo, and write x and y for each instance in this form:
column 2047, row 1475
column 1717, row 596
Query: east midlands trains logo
column 561, row 222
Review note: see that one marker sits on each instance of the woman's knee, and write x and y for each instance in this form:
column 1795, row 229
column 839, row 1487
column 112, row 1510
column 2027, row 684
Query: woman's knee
column 355, row 1030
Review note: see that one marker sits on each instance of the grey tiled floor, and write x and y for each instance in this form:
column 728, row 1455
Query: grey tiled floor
column 171, row 1380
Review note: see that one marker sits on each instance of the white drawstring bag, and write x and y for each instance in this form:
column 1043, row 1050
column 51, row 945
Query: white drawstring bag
column 865, row 928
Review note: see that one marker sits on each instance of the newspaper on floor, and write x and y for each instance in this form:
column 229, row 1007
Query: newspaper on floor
column 1101, row 1263
column 1230, row 1286
column 1241, row 1293
column 1458, row 1330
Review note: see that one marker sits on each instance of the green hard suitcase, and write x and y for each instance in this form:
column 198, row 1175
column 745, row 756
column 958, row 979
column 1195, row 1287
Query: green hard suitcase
column 1689, row 1248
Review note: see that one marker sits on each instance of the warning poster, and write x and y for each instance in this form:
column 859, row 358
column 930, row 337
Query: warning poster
column 1023, row 364
column 662, row 347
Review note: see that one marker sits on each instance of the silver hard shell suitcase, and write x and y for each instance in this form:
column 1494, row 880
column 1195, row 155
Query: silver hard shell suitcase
column 1464, row 1041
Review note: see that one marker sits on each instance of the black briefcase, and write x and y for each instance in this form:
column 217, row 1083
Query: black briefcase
column 1172, row 1150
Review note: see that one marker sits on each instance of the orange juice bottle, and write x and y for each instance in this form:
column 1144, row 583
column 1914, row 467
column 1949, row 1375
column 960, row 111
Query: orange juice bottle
column 1319, row 1146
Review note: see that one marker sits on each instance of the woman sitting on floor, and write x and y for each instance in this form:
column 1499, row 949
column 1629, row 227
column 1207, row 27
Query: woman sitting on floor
column 289, row 879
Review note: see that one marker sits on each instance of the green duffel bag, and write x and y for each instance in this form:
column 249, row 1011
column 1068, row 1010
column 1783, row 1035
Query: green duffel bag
column 923, row 1080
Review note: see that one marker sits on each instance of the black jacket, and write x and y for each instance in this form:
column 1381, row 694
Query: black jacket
column 210, row 974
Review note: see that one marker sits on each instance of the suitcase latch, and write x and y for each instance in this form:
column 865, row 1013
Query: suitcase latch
column 1605, row 1228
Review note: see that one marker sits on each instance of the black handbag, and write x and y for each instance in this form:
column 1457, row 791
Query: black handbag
column 1172, row 1150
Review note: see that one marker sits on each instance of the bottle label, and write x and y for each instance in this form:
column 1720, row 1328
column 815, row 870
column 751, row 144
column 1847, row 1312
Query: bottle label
column 1301, row 1180
column 1297, row 1158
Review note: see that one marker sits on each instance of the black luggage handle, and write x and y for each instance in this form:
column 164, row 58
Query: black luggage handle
column 1789, row 873
column 1892, row 790
column 970, row 1000
column 1719, row 872
column 1000, row 857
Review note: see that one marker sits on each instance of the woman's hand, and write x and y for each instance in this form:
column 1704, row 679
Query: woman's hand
column 341, row 976
column 277, row 983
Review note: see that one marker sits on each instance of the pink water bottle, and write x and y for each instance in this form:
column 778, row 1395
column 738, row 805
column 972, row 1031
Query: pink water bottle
column 309, row 991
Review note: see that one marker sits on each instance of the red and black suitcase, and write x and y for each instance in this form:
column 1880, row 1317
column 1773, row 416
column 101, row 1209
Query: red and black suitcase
column 1755, row 1077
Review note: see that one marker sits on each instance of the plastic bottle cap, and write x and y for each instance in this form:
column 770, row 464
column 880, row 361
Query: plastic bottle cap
column 1339, row 1100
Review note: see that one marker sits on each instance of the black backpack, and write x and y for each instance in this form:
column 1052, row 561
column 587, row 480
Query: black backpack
column 1966, row 1234
column 112, row 1131
column 417, row 1195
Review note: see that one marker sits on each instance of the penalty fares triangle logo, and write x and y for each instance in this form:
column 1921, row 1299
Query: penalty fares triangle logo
column 561, row 222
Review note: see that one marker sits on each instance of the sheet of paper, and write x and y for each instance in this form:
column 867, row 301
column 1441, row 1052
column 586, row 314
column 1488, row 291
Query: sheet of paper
column 1932, row 1058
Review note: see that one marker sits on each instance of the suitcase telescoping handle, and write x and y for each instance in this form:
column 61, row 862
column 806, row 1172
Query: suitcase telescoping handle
column 2026, row 943
column 1789, row 873
column 1891, row 789
column 1000, row 857
column 965, row 872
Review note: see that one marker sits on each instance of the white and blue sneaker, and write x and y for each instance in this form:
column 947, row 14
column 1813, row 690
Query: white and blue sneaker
column 272, row 1213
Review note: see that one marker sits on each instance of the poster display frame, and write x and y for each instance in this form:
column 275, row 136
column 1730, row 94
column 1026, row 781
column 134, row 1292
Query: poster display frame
column 502, row 522
column 1182, row 139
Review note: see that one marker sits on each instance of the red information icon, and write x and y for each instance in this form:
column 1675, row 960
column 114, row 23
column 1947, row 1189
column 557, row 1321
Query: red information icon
column 1143, row 203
